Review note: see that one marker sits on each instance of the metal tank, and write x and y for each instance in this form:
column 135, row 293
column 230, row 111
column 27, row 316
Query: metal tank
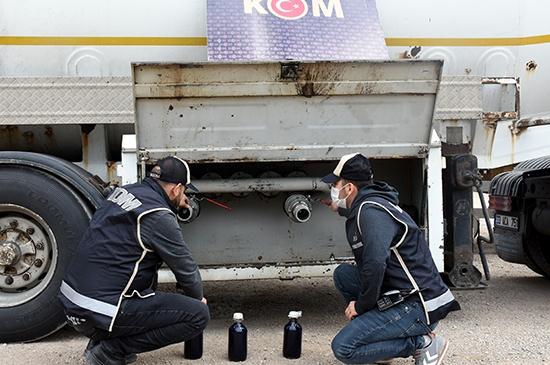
column 269, row 131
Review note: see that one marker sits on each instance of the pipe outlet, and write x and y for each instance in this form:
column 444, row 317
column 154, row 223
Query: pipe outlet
column 188, row 215
column 298, row 208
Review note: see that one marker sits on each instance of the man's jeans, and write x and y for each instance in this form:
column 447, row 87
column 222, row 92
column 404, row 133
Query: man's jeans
column 376, row 335
column 146, row 324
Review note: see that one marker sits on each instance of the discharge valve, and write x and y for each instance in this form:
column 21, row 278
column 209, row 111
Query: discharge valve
column 188, row 215
column 298, row 208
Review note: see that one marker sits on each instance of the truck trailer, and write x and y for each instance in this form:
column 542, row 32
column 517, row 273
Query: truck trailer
column 89, row 101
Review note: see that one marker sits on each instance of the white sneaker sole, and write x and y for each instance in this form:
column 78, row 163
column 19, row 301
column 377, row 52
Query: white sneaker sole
column 443, row 353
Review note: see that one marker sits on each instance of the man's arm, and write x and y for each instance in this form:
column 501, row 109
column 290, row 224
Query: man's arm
column 161, row 232
column 378, row 230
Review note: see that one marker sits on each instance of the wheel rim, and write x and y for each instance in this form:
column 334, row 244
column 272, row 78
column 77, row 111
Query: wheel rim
column 28, row 255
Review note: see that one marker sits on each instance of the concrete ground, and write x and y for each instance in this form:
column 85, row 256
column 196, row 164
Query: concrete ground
column 508, row 323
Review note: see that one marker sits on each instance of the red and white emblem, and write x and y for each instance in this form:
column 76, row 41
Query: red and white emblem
column 288, row 9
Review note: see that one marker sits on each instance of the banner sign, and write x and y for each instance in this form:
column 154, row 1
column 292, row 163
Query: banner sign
column 240, row 30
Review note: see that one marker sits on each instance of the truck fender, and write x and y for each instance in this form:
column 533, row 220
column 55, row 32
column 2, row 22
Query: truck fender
column 74, row 176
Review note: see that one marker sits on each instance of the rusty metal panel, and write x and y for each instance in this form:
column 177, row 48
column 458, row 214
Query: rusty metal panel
column 285, row 112
column 60, row 141
column 512, row 142
column 531, row 121
column 66, row 100
column 275, row 79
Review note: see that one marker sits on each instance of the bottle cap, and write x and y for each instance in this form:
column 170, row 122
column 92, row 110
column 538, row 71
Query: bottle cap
column 295, row 314
column 238, row 316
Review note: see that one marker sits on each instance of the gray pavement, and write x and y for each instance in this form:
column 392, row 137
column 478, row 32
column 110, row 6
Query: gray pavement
column 508, row 323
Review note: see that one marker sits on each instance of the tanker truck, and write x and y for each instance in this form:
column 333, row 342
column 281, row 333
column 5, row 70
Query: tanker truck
column 92, row 94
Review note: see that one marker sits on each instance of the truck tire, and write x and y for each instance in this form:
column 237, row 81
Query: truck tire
column 537, row 247
column 530, row 264
column 41, row 222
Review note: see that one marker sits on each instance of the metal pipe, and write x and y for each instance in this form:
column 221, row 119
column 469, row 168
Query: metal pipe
column 261, row 185
column 188, row 215
column 298, row 208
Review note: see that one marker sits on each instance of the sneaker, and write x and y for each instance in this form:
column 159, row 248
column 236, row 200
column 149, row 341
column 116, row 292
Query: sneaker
column 91, row 344
column 433, row 354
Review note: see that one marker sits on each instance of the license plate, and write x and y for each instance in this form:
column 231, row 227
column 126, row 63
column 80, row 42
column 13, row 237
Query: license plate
column 507, row 221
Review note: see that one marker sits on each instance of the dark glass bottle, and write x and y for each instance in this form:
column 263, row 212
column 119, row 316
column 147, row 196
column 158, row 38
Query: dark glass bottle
column 292, row 341
column 192, row 349
column 237, row 339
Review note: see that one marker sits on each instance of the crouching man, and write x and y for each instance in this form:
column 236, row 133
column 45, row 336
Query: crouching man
column 109, row 289
column 391, row 255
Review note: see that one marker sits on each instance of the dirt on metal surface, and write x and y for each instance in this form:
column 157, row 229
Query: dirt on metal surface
column 508, row 323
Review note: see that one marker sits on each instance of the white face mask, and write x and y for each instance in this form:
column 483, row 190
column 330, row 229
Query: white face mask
column 335, row 196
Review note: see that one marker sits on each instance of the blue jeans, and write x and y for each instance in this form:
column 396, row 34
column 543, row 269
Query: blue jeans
column 376, row 335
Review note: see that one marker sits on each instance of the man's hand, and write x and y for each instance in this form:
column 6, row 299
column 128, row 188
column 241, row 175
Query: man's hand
column 329, row 203
column 350, row 311
column 184, row 201
column 204, row 300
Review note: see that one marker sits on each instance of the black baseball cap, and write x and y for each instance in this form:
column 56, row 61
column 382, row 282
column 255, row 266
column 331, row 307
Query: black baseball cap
column 174, row 170
column 354, row 167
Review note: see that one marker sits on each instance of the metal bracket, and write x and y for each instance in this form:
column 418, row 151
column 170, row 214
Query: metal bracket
column 143, row 157
column 491, row 118
column 289, row 71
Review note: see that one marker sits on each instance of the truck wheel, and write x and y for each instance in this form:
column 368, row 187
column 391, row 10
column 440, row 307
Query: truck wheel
column 538, row 251
column 531, row 264
column 41, row 222
column 534, row 267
